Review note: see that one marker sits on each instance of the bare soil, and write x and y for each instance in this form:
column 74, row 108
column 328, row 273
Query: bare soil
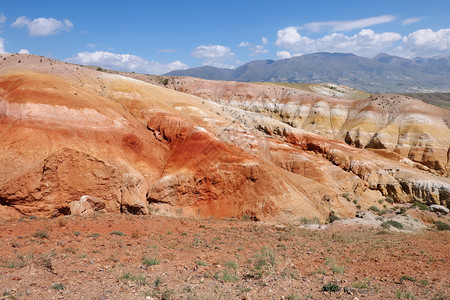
column 155, row 257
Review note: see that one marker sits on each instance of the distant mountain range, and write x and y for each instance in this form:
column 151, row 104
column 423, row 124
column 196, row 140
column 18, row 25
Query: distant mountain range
column 382, row 74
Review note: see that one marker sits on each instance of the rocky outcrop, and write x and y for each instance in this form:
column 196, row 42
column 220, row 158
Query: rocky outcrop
column 407, row 126
column 78, row 141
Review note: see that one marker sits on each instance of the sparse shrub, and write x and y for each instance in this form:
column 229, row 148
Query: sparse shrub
column 407, row 278
column 374, row 209
column 229, row 277
column 166, row 81
column 306, row 221
column 355, row 201
column 337, row 269
column 58, row 286
column 150, row 261
column 346, row 196
column 331, row 287
column 381, row 201
column 264, row 262
column 94, row 235
column 389, row 200
column 76, row 233
column 424, row 282
column 333, row 218
column 99, row 69
column 139, row 279
column 420, row 205
column 392, row 223
column 293, row 297
column 441, row 226
column 40, row 233
column 118, row 233
column 231, row 265
column 361, row 285
column 201, row 263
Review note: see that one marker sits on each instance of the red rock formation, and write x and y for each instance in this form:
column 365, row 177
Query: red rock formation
column 74, row 140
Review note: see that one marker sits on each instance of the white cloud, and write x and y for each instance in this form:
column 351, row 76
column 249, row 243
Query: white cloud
column 213, row 55
column 258, row 49
column 264, row 40
column 2, row 46
column 365, row 43
column 23, row 51
column 91, row 45
column 287, row 54
column 2, row 19
column 125, row 62
column 411, row 21
column 348, row 25
column 283, row 54
column 244, row 44
column 43, row 26
column 425, row 42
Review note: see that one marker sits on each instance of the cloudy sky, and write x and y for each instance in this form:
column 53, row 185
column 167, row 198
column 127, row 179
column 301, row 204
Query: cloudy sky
column 159, row 36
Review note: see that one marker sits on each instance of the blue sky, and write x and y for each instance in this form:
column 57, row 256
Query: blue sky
column 159, row 36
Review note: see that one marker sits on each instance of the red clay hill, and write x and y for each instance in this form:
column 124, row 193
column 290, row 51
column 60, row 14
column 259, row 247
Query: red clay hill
column 76, row 140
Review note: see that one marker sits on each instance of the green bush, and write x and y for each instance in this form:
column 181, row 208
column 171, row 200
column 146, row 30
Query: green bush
column 331, row 287
column 39, row 233
column 374, row 209
column 58, row 286
column 441, row 226
column 333, row 218
column 392, row 223
column 389, row 200
column 150, row 261
column 407, row 278
column 421, row 206
column 118, row 233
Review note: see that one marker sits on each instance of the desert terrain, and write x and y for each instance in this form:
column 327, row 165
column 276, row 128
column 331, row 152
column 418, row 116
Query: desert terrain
column 119, row 185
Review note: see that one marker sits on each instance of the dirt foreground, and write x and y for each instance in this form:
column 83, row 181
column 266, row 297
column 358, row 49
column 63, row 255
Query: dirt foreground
column 155, row 257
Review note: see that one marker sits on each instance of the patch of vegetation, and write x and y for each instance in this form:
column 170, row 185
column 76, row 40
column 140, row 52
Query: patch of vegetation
column 228, row 276
column 361, row 285
column 441, row 226
column 264, row 262
column 333, row 218
column 407, row 278
column 58, row 287
column 346, row 196
column 389, row 200
column 331, row 287
column 76, row 233
column 374, row 209
column 337, row 269
column 139, row 279
column 118, row 233
column 292, row 297
column 306, row 221
column 392, row 223
column 201, row 263
column 40, row 233
column 231, row 265
column 150, row 261
column 99, row 69
column 420, row 206
column 94, row 235
column 423, row 282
